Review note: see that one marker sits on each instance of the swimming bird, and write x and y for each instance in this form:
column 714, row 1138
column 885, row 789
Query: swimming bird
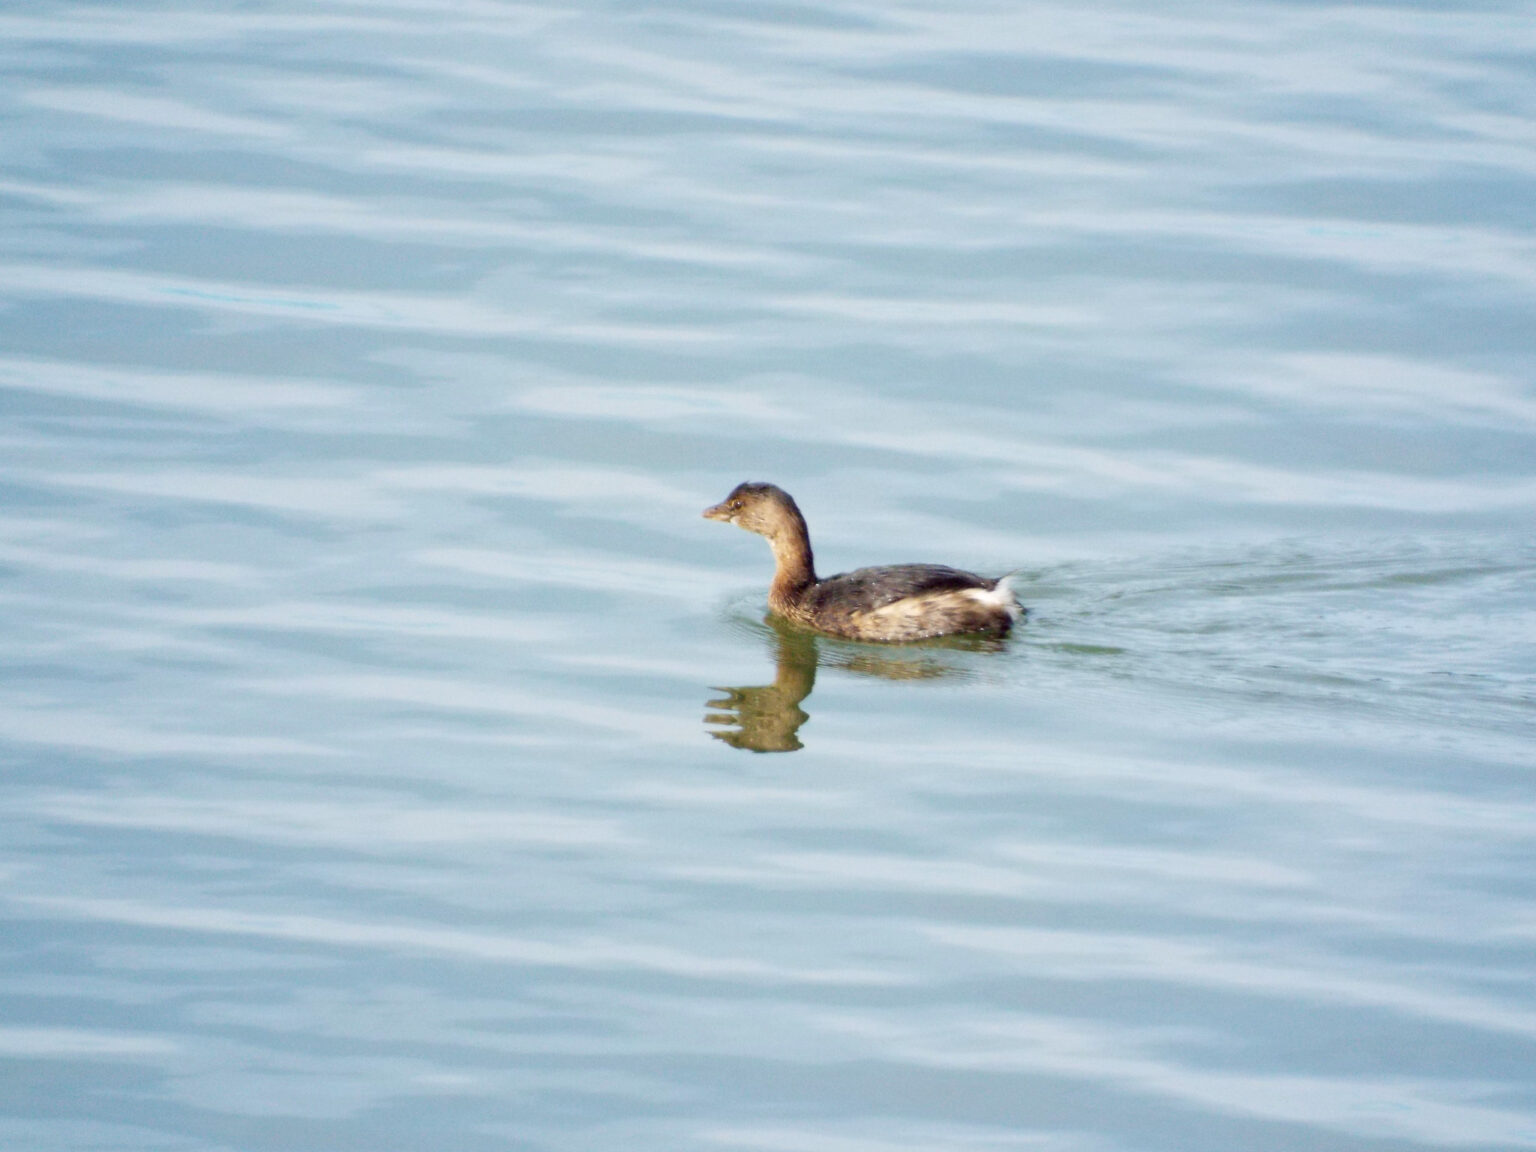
column 889, row 604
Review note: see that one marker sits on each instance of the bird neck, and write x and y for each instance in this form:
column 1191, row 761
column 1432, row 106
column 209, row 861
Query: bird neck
column 795, row 566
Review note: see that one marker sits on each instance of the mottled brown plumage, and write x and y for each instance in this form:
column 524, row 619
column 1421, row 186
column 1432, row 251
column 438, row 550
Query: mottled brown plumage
column 894, row 603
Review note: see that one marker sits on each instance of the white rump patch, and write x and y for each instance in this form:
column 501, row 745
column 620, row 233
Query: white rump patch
column 1002, row 596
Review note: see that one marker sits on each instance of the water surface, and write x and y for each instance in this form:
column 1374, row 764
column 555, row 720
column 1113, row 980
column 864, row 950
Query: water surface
column 393, row 758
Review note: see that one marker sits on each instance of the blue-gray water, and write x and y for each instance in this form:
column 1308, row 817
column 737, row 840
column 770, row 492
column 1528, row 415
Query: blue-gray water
column 364, row 370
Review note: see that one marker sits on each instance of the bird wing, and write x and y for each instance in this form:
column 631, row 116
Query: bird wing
column 867, row 589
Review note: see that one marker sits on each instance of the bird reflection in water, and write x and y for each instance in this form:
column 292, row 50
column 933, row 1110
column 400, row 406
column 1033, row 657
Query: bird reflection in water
column 767, row 717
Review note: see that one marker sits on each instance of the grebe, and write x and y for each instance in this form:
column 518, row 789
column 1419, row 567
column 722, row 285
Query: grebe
column 894, row 603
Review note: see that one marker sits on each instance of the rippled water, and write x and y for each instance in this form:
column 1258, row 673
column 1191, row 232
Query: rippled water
column 380, row 723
